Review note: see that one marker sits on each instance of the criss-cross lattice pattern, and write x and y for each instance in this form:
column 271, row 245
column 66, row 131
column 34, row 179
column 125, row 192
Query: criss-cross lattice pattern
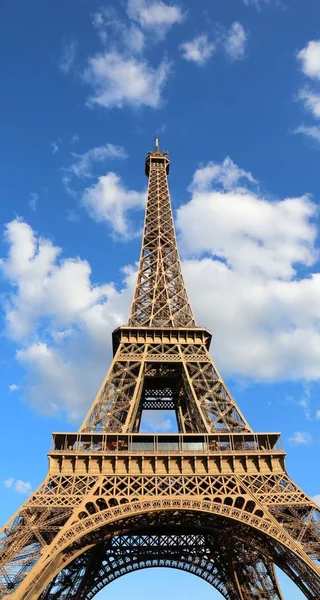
column 160, row 297
column 199, row 554
column 197, row 392
column 213, row 499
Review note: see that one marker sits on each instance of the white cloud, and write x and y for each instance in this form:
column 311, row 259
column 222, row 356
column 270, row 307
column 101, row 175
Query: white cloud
column 109, row 200
column 311, row 101
column 60, row 321
column 67, row 184
column 316, row 499
column 82, row 167
column 133, row 39
column 318, row 415
column 14, row 387
column 309, row 58
column 227, row 174
column 158, row 421
column 44, row 286
column 34, row 197
column 257, row 3
column 55, row 145
column 312, row 131
column 68, row 56
column 154, row 15
column 22, row 487
column 198, row 50
column 250, row 255
column 300, row 438
column 118, row 80
column 8, row 482
column 245, row 250
column 112, row 29
column 75, row 139
column 19, row 486
column 235, row 42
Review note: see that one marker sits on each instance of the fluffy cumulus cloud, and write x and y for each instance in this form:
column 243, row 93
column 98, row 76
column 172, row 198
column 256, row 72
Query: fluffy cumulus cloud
column 235, row 42
column 246, row 250
column 197, row 50
column 60, row 321
column 118, row 80
column 227, row 174
column 155, row 15
column 253, row 257
column 309, row 58
column 110, row 201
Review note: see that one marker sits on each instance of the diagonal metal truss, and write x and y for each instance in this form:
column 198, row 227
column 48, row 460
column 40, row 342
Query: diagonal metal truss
column 213, row 499
column 201, row 554
column 160, row 298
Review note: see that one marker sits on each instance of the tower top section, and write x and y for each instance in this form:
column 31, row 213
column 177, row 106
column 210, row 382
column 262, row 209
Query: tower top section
column 160, row 296
column 157, row 157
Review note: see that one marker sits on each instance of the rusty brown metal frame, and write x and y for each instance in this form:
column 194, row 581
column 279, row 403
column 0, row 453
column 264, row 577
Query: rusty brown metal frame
column 216, row 480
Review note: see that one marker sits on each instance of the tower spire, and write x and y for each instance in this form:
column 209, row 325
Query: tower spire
column 160, row 297
column 162, row 329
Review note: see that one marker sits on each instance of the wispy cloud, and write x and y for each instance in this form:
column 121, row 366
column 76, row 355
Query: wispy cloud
column 68, row 56
column 55, row 145
column 83, row 163
column 19, row 486
column 301, row 438
column 112, row 29
column 309, row 62
column 311, row 131
column 258, row 3
column 67, row 184
column 14, row 387
column 75, row 139
column 34, row 197
column 311, row 101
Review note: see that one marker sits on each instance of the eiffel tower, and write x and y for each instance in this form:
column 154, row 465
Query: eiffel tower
column 213, row 499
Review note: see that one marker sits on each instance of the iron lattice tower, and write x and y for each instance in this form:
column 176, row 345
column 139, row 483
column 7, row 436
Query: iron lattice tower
column 213, row 499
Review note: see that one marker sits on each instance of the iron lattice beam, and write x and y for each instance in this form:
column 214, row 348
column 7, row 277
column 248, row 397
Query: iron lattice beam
column 214, row 499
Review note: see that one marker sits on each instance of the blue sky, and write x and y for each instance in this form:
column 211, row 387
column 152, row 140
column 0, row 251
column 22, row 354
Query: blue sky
column 233, row 90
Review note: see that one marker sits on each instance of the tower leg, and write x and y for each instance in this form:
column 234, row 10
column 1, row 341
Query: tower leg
column 256, row 581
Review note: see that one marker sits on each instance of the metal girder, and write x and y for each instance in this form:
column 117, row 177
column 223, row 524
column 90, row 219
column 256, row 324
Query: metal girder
column 214, row 499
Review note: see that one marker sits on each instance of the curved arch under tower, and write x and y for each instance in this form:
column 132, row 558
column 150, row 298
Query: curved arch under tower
column 214, row 499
